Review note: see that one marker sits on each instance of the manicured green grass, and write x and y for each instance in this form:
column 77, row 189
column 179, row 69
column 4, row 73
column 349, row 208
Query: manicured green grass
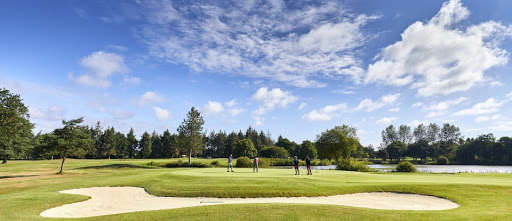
column 29, row 187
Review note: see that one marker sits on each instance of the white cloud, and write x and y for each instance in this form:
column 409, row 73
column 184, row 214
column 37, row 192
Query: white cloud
column 51, row 113
column 439, row 57
column 269, row 100
column 161, row 114
column 415, row 123
column 288, row 44
column 496, row 84
column 369, row 105
column 122, row 115
column 100, row 66
column 213, row 108
column 345, row 92
column 302, row 105
column 235, row 111
column 417, row 104
column 131, row 80
column 444, row 105
column 231, row 103
column 326, row 113
column 386, row 120
column 487, row 107
column 395, row 109
column 481, row 119
column 502, row 126
column 149, row 98
column 509, row 95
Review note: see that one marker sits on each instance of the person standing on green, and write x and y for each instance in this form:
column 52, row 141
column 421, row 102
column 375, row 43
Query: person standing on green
column 308, row 165
column 296, row 165
column 230, row 163
column 255, row 165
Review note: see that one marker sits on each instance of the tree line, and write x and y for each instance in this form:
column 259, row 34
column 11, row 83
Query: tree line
column 442, row 144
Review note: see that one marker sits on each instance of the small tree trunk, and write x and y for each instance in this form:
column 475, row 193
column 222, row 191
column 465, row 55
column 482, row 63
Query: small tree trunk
column 189, row 158
column 4, row 160
column 62, row 165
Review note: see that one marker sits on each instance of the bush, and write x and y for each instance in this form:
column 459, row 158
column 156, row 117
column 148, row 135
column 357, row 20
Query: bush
column 180, row 163
column 281, row 162
column 244, row 148
column 442, row 160
column 406, row 166
column 274, row 152
column 215, row 163
column 243, row 162
column 263, row 163
column 324, row 162
column 352, row 165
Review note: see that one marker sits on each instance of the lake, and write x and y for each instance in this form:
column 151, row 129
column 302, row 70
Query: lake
column 434, row 168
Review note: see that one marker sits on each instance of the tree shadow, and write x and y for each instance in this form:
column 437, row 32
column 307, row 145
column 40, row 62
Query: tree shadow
column 115, row 166
column 16, row 176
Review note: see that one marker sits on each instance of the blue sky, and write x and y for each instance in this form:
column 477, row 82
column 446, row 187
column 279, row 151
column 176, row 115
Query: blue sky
column 293, row 68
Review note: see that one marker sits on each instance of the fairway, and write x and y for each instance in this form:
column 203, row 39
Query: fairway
column 29, row 187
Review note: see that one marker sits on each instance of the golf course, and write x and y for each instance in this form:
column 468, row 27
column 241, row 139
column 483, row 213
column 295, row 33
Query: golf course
column 27, row 188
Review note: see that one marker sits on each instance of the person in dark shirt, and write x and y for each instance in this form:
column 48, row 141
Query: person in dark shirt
column 255, row 165
column 296, row 165
column 308, row 165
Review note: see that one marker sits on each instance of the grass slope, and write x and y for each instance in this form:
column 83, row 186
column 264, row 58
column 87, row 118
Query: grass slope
column 29, row 187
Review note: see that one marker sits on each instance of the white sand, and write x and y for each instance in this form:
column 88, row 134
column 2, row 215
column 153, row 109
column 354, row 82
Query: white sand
column 115, row 200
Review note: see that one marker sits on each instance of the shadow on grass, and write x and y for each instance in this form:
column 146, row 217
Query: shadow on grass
column 15, row 176
column 115, row 166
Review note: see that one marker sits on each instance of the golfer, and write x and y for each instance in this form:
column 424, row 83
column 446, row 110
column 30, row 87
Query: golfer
column 296, row 165
column 230, row 163
column 255, row 165
column 308, row 165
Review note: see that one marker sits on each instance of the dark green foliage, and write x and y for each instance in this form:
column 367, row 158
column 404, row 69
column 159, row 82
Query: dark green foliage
column 70, row 141
column 244, row 162
column 396, row 150
column 442, row 160
column 337, row 143
column 273, row 152
column 145, row 145
column 246, row 148
column 15, row 127
column 190, row 133
column 405, row 166
column 307, row 148
column 352, row 165
column 290, row 146
column 180, row 163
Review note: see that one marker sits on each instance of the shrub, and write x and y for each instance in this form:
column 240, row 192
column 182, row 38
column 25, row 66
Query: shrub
column 243, row 162
column 215, row 163
column 180, row 163
column 406, row 166
column 282, row 162
column 263, row 163
column 442, row 160
column 244, row 148
column 274, row 152
column 352, row 165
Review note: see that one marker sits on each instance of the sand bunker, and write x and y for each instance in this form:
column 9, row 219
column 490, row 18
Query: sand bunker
column 115, row 200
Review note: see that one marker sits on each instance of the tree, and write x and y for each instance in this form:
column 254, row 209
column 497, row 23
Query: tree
column 290, row 146
column 190, row 133
column 307, row 148
column 133, row 144
column 145, row 145
column 337, row 143
column 396, row 150
column 167, row 144
column 70, row 140
column 156, row 146
column 108, row 143
column 245, row 148
column 404, row 134
column 420, row 133
column 274, row 152
column 432, row 133
column 14, row 124
column 389, row 135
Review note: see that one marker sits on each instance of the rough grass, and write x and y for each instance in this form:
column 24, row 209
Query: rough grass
column 32, row 186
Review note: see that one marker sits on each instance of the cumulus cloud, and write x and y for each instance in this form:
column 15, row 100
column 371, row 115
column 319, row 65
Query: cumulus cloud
column 302, row 105
column 51, row 113
column 235, row 111
column 161, row 114
column 386, row 120
column 292, row 43
column 481, row 119
column 439, row 109
column 395, row 109
column 213, row 108
column 326, row 113
column 439, row 56
column 509, row 95
column 149, row 98
column 100, row 66
column 269, row 100
column 487, row 107
column 417, row 104
column 230, row 103
column 369, row 105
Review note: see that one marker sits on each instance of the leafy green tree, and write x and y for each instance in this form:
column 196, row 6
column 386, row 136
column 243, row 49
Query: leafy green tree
column 166, row 143
column 190, row 133
column 14, row 124
column 404, row 134
column 145, row 145
column 274, row 152
column 156, row 146
column 108, row 143
column 122, row 147
column 290, row 146
column 133, row 144
column 396, row 150
column 246, row 148
column 71, row 140
column 307, row 148
column 389, row 135
column 337, row 143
